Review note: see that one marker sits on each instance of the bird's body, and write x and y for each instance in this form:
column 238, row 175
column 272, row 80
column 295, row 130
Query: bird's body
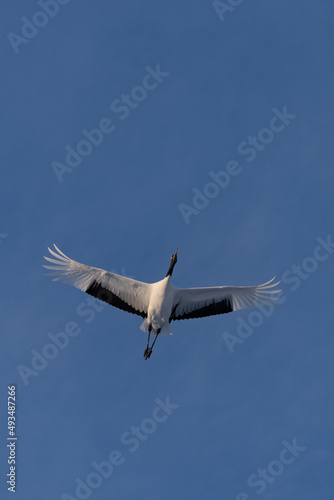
column 158, row 303
column 158, row 312
column 160, row 306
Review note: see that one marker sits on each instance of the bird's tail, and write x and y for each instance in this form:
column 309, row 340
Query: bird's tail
column 165, row 330
column 144, row 326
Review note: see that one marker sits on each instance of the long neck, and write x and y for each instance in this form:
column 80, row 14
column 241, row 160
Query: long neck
column 170, row 270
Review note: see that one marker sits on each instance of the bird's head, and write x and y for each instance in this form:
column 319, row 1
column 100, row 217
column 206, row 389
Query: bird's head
column 173, row 261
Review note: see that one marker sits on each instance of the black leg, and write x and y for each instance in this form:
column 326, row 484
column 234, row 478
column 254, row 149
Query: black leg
column 149, row 333
column 147, row 352
column 158, row 331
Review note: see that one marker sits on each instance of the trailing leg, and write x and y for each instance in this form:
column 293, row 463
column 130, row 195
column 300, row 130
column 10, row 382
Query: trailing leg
column 148, row 351
column 158, row 331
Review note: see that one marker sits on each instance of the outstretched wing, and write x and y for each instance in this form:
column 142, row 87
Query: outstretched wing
column 200, row 302
column 121, row 292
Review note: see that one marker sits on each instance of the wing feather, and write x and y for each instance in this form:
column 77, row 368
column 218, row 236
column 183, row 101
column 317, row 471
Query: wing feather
column 121, row 292
column 201, row 302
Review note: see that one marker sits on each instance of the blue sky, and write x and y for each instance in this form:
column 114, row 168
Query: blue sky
column 233, row 406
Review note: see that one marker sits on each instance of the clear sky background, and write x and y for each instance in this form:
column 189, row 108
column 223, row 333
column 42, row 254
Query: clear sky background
column 236, row 400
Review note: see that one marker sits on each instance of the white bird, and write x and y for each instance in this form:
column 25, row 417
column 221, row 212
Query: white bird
column 159, row 303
